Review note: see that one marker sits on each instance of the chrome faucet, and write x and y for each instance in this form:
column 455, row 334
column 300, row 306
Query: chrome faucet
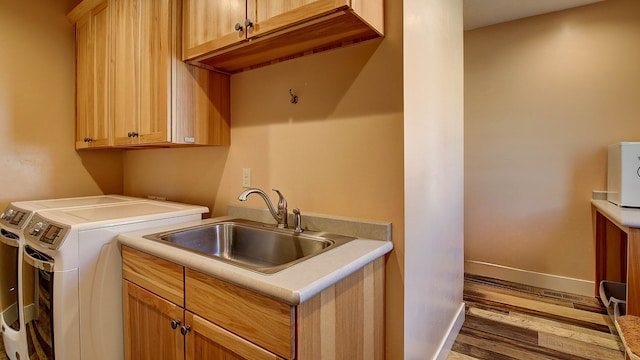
column 280, row 215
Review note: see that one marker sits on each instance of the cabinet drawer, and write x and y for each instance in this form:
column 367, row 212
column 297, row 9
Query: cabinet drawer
column 218, row 343
column 159, row 276
column 264, row 321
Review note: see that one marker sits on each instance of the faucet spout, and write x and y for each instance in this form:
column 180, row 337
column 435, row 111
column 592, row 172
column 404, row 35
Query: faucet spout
column 279, row 214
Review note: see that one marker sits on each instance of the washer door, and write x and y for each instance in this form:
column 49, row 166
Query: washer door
column 9, row 280
column 39, row 326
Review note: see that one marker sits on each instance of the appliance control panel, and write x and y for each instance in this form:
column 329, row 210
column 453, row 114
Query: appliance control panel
column 45, row 232
column 14, row 217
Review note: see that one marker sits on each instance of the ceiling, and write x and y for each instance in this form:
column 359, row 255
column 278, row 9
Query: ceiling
column 478, row 13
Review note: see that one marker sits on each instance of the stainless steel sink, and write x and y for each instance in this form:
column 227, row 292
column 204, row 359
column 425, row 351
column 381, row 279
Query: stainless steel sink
column 252, row 245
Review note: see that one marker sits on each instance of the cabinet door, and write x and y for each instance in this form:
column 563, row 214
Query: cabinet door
column 148, row 334
column 142, row 71
column 210, row 25
column 271, row 15
column 92, row 78
column 155, row 71
column 261, row 320
column 126, row 71
column 206, row 341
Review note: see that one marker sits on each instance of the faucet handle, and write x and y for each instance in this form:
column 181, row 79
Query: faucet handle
column 298, row 220
column 282, row 202
column 282, row 210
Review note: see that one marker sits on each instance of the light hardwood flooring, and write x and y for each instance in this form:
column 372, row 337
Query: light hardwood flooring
column 512, row 321
column 506, row 320
column 3, row 355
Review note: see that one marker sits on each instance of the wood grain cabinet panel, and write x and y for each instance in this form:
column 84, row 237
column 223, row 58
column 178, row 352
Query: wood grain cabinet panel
column 92, row 78
column 207, row 341
column 157, row 275
column 154, row 310
column 142, row 71
column 270, row 15
column 212, row 25
column 126, row 70
column 220, row 320
column 260, row 319
column 346, row 320
column 219, row 37
column 147, row 325
column 140, row 86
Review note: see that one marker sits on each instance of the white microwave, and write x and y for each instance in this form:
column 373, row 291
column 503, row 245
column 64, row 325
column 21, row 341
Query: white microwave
column 623, row 177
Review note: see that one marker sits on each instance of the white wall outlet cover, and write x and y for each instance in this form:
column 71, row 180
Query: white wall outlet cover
column 246, row 177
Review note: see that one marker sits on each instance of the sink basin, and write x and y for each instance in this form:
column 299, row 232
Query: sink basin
column 252, row 245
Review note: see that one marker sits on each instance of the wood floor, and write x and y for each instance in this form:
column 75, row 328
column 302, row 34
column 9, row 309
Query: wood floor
column 3, row 355
column 512, row 321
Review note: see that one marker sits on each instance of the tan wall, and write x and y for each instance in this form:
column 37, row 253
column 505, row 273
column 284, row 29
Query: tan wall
column 37, row 155
column 338, row 151
column 544, row 97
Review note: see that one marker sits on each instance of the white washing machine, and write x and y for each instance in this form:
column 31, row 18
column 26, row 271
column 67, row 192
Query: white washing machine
column 13, row 220
column 77, row 290
column 75, row 302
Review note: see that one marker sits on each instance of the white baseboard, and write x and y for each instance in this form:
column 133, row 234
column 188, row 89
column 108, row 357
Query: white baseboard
column 542, row 280
column 452, row 334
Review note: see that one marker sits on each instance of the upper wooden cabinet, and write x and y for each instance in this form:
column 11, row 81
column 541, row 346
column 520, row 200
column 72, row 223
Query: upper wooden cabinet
column 92, row 78
column 142, row 71
column 235, row 35
column 133, row 84
column 210, row 25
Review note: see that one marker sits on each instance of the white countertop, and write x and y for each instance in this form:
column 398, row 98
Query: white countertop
column 624, row 216
column 294, row 285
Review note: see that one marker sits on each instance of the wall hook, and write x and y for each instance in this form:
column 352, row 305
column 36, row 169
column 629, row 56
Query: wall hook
column 294, row 98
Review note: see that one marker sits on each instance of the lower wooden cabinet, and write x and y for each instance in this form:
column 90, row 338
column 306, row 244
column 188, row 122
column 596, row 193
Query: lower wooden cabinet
column 173, row 312
column 262, row 320
column 151, row 325
column 160, row 324
column 159, row 329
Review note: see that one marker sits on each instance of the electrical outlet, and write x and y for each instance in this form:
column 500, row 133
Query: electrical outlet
column 246, row 177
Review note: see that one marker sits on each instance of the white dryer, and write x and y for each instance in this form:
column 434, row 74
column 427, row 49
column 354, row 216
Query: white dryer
column 13, row 220
column 76, row 298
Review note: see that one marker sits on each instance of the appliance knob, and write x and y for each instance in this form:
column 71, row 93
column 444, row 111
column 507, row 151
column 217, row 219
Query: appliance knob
column 8, row 215
column 37, row 228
